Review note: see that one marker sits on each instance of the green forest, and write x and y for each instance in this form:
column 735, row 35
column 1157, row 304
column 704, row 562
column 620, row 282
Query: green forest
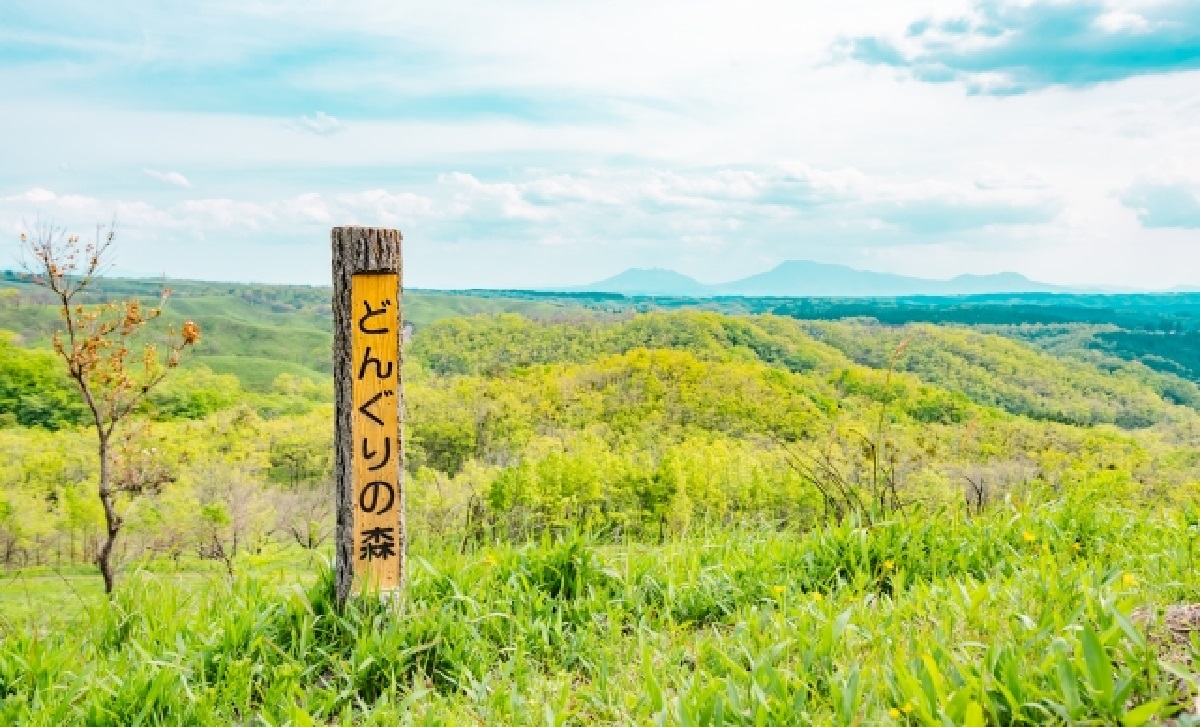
column 623, row 510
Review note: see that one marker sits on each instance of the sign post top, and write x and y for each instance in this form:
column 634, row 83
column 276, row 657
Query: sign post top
column 364, row 250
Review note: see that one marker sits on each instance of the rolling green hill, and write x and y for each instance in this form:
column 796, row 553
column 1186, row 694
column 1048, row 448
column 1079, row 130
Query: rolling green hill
column 614, row 515
column 254, row 332
column 290, row 324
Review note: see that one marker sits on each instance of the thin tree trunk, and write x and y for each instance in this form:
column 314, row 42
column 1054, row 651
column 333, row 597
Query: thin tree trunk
column 112, row 521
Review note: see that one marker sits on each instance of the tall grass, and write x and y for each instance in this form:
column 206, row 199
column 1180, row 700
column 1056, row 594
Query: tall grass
column 1019, row 616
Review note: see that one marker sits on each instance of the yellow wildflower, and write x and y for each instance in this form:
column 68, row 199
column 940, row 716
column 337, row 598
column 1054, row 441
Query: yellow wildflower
column 888, row 565
column 1076, row 546
column 778, row 590
column 490, row 559
column 907, row 708
column 894, row 713
column 1129, row 580
column 817, row 595
column 1028, row 537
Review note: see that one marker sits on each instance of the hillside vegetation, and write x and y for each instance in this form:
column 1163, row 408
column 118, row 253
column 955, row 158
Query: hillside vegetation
column 253, row 332
column 643, row 424
column 676, row 517
column 996, row 372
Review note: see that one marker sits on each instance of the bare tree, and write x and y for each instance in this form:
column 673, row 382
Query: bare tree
column 869, row 487
column 305, row 515
column 235, row 515
column 111, row 365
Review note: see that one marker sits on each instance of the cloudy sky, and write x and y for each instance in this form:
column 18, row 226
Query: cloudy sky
column 535, row 143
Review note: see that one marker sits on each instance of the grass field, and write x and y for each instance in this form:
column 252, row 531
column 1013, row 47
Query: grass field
column 1027, row 615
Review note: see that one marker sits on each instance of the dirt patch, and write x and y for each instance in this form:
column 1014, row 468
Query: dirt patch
column 1170, row 633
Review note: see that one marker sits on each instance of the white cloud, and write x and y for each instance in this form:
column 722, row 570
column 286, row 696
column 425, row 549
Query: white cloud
column 381, row 207
column 37, row 195
column 173, row 178
column 320, row 123
column 1118, row 20
column 207, row 215
column 788, row 190
column 309, row 207
column 222, row 213
column 498, row 200
column 607, row 203
column 37, row 202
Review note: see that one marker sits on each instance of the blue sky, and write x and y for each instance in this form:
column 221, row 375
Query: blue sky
column 534, row 143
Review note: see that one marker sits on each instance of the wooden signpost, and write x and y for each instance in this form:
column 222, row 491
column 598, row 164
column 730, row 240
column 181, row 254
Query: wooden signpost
column 368, row 396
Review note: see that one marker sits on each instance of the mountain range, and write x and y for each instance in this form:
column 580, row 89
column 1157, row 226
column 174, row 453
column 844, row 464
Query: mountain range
column 803, row 278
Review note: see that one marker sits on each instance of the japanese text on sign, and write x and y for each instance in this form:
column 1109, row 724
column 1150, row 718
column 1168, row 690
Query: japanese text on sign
column 375, row 428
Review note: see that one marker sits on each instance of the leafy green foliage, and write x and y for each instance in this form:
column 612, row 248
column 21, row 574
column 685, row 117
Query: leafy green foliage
column 34, row 391
column 1173, row 351
column 995, row 372
column 196, row 393
column 495, row 345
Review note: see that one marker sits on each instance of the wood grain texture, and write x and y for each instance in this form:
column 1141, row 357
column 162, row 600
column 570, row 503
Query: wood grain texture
column 359, row 250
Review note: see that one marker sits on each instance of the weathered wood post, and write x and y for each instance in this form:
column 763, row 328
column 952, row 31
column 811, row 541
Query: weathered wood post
column 368, row 439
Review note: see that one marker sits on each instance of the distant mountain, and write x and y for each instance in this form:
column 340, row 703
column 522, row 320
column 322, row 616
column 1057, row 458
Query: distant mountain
column 996, row 283
column 803, row 278
column 650, row 281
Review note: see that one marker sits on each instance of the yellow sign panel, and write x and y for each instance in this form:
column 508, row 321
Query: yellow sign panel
column 376, row 429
